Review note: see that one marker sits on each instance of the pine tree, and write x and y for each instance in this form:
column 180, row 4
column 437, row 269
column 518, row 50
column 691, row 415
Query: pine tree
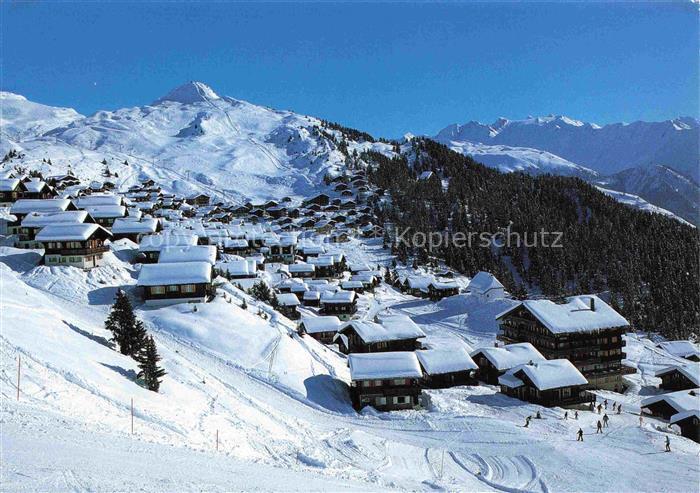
column 148, row 359
column 127, row 331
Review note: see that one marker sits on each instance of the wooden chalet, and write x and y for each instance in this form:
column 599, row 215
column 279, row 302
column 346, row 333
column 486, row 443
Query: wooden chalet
column 386, row 381
column 444, row 368
column 395, row 333
column 78, row 245
column 287, row 304
column 323, row 329
column 584, row 330
column 495, row 361
column 342, row 304
column 547, row 383
column 680, row 408
column 679, row 377
column 176, row 282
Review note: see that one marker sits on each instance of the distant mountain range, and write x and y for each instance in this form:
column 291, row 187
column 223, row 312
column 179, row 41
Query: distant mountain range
column 193, row 140
column 658, row 161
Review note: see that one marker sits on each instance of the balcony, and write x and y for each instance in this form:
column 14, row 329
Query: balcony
column 77, row 251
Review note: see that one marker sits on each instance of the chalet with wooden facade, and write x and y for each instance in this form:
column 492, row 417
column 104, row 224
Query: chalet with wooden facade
column 342, row 304
column 79, row 245
column 287, row 304
column 323, row 329
column 396, row 333
column 385, row 381
column 495, row 361
column 679, row 377
column 680, row 408
column 583, row 329
column 548, row 383
column 444, row 368
column 176, row 282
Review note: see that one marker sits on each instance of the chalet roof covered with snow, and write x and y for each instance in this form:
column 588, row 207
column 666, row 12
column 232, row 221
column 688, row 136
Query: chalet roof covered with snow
column 441, row 361
column 70, row 232
column 105, row 211
column 235, row 243
column 288, row 299
column 238, row 267
column 9, row 184
column 579, row 314
column 129, row 224
column 374, row 366
column 338, row 297
column 545, row 375
column 683, row 400
column 371, row 332
column 41, row 219
column 682, row 349
column 97, row 199
column 174, row 273
column 190, row 253
column 483, row 282
column 35, row 185
column 690, row 370
column 25, row 206
column 301, row 267
column 314, row 325
column 512, row 355
column 401, row 325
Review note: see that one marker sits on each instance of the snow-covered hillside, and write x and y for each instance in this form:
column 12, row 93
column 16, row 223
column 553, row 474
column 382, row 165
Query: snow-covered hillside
column 659, row 185
column 279, row 402
column 607, row 149
column 190, row 140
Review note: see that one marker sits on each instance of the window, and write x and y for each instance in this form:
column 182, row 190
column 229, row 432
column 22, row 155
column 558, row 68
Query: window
column 172, row 289
column 400, row 400
column 399, row 381
column 188, row 288
column 157, row 289
column 380, row 401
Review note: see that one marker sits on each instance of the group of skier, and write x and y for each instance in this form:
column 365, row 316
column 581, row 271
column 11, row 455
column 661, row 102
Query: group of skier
column 601, row 423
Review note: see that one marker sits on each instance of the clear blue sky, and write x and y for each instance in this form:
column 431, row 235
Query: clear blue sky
column 387, row 69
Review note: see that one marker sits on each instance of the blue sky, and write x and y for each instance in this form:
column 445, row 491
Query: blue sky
column 384, row 68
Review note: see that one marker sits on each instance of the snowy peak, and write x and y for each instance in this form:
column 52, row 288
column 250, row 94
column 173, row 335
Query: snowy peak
column 189, row 93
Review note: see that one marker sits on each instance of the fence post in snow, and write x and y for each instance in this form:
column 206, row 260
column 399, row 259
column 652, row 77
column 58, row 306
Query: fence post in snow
column 132, row 415
column 217, row 440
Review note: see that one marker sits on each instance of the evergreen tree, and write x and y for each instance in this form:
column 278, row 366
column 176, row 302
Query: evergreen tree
column 127, row 331
column 148, row 359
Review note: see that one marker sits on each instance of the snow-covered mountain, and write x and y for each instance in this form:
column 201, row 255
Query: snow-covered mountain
column 659, row 185
column 190, row 140
column 640, row 158
column 533, row 161
column 607, row 149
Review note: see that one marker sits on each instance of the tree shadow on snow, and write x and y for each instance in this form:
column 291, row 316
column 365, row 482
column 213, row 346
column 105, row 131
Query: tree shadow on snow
column 102, row 296
column 329, row 393
column 130, row 374
column 92, row 337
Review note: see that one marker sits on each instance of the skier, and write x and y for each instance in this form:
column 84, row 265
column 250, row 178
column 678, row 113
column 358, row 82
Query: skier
column 580, row 435
column 575, row 414
column 668, row 444
column 527, row 421
column 600, row 408
column 605, row 420
column 641, row 420
column 614, row 405
column 538, row 416
column 606, row 403
column 599, row 428
column 592, row 406
column 619, row 409
column 566, row 414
